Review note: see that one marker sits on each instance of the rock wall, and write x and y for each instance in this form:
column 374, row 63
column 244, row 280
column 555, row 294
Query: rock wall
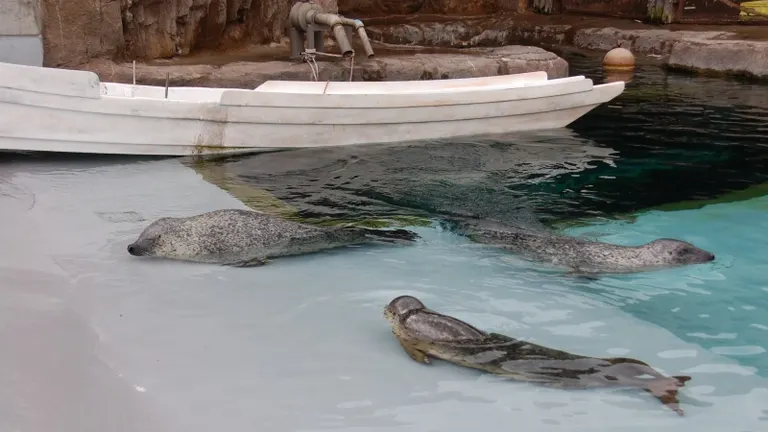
column 369, row 8
column 76, row 31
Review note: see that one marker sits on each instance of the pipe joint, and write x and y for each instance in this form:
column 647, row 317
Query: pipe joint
column 305, row 14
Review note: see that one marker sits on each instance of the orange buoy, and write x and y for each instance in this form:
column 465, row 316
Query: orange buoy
column 619, row 58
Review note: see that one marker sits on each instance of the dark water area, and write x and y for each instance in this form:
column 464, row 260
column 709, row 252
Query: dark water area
column 668, row 140
column 679, row 137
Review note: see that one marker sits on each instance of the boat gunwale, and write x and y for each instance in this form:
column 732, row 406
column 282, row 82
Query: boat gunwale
column 216, row 113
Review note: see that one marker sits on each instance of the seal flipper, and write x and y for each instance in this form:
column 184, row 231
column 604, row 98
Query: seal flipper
column 665, row 389
column 577, row 273
column 251, row 262
column 390, row 236
column 415, row 354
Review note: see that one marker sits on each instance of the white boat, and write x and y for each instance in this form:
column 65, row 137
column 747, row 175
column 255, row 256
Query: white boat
column 61, row 110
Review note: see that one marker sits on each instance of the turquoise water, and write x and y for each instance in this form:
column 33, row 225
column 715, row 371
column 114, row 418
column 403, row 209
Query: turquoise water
column 723, row 307
column 93, row 335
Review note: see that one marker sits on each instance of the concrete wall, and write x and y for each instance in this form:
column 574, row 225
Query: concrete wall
column 21, row 25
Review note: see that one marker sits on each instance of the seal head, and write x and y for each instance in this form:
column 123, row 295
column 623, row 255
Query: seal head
column 410, row 319
column 157, row 239
column 671, row 252
column 401, row 306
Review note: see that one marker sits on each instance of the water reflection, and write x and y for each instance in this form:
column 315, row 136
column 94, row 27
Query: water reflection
column 679, row 138
column 484, row 177
column 668, row 139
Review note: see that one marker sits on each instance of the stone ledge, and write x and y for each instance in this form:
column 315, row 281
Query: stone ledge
column 657, row 42
column 745, row 58
column 476, row 63
column 705, row 51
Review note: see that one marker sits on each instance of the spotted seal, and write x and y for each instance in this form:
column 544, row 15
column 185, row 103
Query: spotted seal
column 582, row 256
column 245, row 238
column 423, row 332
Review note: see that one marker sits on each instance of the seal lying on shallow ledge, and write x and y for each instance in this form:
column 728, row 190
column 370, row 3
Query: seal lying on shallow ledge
column 581, row 256
column 423, row 332
column 245, row 238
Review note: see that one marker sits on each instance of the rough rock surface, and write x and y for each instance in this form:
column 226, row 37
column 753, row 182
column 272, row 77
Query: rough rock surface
column 76, row 31
column 659, row 42
column 367, row 8
column 711, row 51
column 747, row 58
column 468, row 33
column 481, row 62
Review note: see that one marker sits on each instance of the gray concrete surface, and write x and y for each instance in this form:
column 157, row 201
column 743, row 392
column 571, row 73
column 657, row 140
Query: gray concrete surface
column 20, row 32
column 25, row 50
column 20, row 18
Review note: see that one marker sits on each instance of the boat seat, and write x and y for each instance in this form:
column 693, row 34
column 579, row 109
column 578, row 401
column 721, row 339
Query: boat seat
column 403, row 87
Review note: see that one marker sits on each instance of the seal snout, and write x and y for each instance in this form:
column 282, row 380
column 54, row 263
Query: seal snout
column 134, row 249
column 697, row 255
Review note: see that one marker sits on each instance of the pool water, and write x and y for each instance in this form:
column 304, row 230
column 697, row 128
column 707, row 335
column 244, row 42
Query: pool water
column 720, row 307
column 99, row 340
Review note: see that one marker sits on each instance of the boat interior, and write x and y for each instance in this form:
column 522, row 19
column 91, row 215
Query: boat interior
column 210, row 94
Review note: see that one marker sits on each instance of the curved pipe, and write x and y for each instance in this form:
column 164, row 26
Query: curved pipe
column 334, row 22
column 360, row 28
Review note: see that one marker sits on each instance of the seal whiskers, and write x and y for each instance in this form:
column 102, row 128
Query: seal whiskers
column 423, row 332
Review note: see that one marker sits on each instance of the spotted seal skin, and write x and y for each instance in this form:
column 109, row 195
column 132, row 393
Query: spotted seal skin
column 423, row 332
column 583, row 256
column 245, row 238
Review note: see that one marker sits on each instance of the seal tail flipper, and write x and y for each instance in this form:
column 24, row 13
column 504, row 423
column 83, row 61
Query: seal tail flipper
column 391, row 236
column 579, row 274
column 665, row 389
column 251, row 262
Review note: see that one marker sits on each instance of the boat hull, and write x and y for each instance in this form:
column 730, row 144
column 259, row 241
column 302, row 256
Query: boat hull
column 54, row 110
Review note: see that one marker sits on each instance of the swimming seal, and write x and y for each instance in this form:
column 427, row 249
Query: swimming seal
column 245, row 238
column 583, row 256
column 423, row 332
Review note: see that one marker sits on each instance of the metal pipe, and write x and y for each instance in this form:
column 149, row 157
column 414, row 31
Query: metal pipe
column 360, row 28
column 334, row 22
column 310, row 34
column 297, row 44
column 320, row 41
column 366, row 43
column 304, row 15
